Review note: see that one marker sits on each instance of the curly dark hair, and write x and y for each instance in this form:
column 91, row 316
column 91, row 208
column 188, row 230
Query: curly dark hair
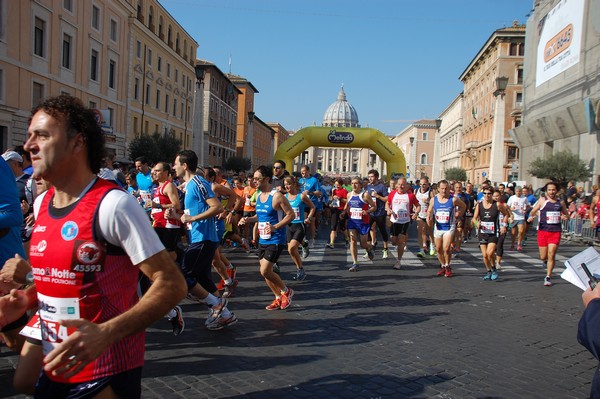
column 78, row 119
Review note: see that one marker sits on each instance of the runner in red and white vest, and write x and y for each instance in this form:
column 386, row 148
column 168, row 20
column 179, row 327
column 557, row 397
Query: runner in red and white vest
column 402, row 207
column 89, row 242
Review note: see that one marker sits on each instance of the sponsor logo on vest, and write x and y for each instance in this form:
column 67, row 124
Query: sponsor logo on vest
column 340, row 137
column 39, row 229
column 69, row 230
column 42, row 245
column 89, row 253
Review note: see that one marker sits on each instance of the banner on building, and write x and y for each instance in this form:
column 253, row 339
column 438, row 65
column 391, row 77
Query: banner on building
column 561, row 32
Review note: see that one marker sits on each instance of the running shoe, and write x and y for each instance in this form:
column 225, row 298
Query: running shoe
column 547, row 281
column 431, row 250
column 275, row 305
column 177, row 321
column 286, row 299
column 215, row 311
column 305, row 252
column 448, row 271
column 221, row 284
column 385, row 254
column 370, row 254
column 245, row 245
column 228, row 290
column 397, row 265
column 366, row 255
column 222, row 322
column 519, row 247
column 330, row 245
column 231, row 272
column 421, row 254
column 442, row 271
column 354, row 267
column 488, row 276
column 311, row 243
column 374, row 245
column 300, row 275
column 494, row 275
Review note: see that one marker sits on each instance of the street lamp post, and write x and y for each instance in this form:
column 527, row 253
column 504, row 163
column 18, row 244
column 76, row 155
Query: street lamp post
column 198, row 130
column 411, row 163
column 497, row 155
column 250, row 139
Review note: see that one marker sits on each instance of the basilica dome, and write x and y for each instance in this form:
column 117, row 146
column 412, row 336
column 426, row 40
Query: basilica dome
column 341, row 113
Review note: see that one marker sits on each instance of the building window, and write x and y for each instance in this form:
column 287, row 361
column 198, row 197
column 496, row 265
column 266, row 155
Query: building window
column 135, row 125
column 423, row 159
column 113, row 30
column 37, row 94
column 92, row 105
column 174, row 107
column 136, row 89
column 147, row 94
column 513, row 153
column 149, row 60
column 159, row 64
column 68, row 5
column 111, row 116
column 168, row 70
column 167, row 104
column 66, row 51
column 38, row 36
column 520, row 76
column 95, row 17
column 424, row 136
column 519, row 98
column 176, row 75
column 1, row 85
column 138, row 49
column 112, row 70
column 157, row 99
column 94, row 66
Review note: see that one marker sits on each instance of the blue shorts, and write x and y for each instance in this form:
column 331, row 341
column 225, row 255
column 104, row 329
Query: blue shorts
column 360, row 226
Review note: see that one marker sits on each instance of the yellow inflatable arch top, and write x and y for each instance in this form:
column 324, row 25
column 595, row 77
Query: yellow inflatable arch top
column 353, row 137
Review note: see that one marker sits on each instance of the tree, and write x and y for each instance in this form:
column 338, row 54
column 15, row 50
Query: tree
column 560, row 168
column 237, row 164
column 458, row 174
column 156, row 147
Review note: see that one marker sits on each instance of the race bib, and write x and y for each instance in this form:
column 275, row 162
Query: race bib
column 261, row 231
column 442, row 216
column 187, row 225
column 335, row 203
column 296, row 212
column 52, row 310
column 32, row 329
column 356, row 213
column 145, row 196
column 487, row 227
column 156, row 210
column 553, row 217
column 402, row 216
column 247, row 203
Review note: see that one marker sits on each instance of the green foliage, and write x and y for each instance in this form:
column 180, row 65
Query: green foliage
column 156, row 147
column 458, row 174
column 560, row 168
column 237, row 164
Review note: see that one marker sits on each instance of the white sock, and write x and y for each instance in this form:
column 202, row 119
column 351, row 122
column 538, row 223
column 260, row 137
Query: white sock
column 172, row 313
column 228, row 281
column 211, row 300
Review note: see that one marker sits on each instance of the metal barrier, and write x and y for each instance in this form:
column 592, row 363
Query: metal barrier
column 580, row 230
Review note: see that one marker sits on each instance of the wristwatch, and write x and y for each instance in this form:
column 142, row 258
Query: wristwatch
column 29, row 278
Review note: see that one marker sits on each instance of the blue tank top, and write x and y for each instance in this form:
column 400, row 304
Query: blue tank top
column 550, row 216
column 266, row 214
column 443, row 214
column 298, row 207
column 356, row 206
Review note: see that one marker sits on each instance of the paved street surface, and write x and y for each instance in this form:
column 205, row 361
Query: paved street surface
column 379, row 333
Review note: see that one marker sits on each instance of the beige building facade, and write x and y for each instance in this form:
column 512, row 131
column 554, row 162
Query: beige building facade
column 50, row 47
column 161, row 84
column 562, row 85
column 493, row 103
column 449, row 141
column 417, row 142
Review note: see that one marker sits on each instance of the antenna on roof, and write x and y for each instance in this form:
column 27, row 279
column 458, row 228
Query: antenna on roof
column 230, row 64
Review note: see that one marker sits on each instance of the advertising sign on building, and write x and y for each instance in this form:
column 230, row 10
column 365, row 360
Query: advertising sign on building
column 561, row 32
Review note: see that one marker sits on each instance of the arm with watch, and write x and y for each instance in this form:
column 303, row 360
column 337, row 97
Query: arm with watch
column 17, row 270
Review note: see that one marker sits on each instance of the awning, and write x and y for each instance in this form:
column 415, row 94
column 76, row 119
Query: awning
column 567, row 122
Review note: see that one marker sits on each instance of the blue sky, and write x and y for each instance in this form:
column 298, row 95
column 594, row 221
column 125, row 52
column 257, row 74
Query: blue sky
column 399, row 60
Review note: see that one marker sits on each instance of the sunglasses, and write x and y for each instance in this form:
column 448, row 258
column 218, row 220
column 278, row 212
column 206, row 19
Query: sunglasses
column 487, row 193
